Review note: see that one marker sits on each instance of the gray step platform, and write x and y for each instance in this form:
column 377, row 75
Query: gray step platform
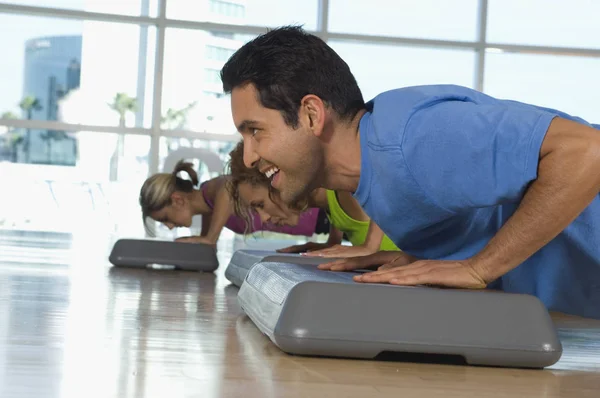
column 306, row 311
column 141, row 253
column 243, row 260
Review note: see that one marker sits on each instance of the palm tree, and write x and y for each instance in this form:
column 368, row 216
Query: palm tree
column 29, row 104
column 122, row 104
column 8, row 115
column 12, row 136
column 177, row 118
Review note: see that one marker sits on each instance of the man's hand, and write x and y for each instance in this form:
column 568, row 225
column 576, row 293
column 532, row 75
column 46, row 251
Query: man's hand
column 342, row 251
column 379, row 259
column 399, row 268
column 306, row 247
column 458, row 274
column 197, row 239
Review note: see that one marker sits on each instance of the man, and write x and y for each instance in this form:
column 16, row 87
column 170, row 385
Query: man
column 476, row 191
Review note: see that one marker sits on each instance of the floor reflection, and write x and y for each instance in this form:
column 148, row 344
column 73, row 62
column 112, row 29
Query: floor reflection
column 73, row 326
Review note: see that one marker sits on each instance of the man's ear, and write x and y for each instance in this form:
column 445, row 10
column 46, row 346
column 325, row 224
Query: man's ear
column 313, row 112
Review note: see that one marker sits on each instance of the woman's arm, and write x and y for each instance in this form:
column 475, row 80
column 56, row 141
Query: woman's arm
column 335, row 237
column 213, row 224
column 369, row 246
column 206, row 219
column 373, row 238
column 221, row 212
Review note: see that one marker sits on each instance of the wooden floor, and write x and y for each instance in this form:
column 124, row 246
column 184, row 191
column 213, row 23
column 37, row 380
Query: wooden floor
column 71, row 326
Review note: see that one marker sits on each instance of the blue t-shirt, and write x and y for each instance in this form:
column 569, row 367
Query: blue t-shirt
column 442, row 169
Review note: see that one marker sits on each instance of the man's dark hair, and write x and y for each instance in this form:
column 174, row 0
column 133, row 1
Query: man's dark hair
column 285, row 64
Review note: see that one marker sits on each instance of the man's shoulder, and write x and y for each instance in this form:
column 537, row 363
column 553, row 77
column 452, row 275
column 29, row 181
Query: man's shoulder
column 412, row 95
column 389, row 112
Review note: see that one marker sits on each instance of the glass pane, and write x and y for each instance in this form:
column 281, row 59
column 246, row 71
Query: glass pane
column 572, row 23
column 123, row 7
column 247, row 12
column 423, row 19
column 84, row 181
column 380, row 68
column 71, row 71
column 193, row 98
column 569, row 84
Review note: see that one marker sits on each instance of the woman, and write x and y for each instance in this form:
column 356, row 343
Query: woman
column 174, row 201
column 252, row 194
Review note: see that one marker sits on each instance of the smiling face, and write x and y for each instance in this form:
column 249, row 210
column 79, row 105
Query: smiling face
column 270, row 208
column 178, row 213
column 292, row 158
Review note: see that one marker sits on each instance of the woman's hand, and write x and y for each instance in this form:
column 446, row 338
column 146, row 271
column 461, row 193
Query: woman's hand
column 380, row 260
column 306, row 247
column 341, row 251
column 197, row 239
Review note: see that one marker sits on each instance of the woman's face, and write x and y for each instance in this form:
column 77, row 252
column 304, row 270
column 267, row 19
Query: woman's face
column 176, row 214
column 271, row 209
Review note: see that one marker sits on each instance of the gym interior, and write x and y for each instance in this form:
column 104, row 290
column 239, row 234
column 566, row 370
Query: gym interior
column 96, row 96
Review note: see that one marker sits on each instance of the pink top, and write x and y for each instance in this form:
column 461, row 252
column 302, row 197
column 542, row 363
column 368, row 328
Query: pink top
column 307, row 221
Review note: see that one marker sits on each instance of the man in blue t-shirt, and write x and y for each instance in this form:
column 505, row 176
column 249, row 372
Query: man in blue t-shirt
column 477, row 192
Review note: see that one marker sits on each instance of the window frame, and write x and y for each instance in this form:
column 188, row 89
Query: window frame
column 161, row 23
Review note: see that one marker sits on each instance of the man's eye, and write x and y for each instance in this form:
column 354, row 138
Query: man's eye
column 254, row 132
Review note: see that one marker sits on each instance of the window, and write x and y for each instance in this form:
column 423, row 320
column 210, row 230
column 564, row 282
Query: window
column 553, row 23
column 70, row 71
column 423, row 19
column 250, row 12
column 218, row 53
column 379, row 68
column 99, row 190
column 125, row 7
column 217, row 154
column 226, row 8
column 213, row 95
column 61, row 75
column 223, row 35
column 189, row 74
column 212, row 76
column 569, row 84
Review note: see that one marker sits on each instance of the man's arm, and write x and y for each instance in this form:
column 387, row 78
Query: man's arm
column 568, row 179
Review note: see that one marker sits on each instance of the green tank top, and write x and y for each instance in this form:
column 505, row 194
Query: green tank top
column 355, row 230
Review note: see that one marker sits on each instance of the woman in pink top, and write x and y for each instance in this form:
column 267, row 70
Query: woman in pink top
column 173, row 201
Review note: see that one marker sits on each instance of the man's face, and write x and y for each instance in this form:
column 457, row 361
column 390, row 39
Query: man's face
column 291, row 158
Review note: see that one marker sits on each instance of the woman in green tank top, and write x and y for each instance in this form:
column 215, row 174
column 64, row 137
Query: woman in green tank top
column 355, row 230
column 251, row 191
